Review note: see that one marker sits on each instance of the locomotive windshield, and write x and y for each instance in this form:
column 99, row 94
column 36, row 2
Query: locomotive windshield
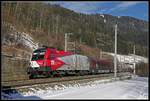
column 38, row 54
column 40, row 50
column 37, row 57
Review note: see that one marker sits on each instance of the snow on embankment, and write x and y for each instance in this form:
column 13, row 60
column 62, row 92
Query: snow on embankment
column 15, row 37
column 135, row 88
column 27, row 40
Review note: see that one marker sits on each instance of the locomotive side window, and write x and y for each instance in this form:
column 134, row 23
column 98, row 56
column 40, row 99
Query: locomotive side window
column 52, row 56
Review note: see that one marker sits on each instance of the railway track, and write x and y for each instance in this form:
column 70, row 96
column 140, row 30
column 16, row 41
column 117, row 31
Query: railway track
column 31, row 82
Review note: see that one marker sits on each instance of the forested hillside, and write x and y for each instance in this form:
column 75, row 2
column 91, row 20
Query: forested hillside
column 47, row 24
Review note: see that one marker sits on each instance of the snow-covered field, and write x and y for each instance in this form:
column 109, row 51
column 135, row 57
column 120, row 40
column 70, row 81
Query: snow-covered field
column 135, row 88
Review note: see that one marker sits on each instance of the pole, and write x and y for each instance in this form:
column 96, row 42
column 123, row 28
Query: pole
column 115, row 57
column 134, row 59
column 74, row 47
column 100, row 52
column 65, row 42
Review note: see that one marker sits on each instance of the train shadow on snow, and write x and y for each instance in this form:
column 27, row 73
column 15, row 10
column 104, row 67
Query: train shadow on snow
column 10, row 93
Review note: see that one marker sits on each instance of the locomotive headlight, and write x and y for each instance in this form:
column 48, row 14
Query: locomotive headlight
column 31, row 64
column 34, row 64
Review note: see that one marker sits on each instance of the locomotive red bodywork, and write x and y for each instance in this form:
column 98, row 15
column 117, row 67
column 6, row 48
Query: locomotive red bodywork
column 47, row 61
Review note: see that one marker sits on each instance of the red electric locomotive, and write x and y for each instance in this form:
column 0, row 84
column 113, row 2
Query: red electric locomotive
column 48, row 61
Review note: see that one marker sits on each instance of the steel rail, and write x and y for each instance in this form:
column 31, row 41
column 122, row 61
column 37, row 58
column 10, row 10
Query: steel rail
column 17, row 84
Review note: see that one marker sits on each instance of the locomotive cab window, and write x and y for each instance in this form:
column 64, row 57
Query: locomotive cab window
column 40, row 50
column 37, row 57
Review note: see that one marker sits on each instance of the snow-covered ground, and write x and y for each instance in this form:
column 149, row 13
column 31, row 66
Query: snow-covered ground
column 135, row 88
